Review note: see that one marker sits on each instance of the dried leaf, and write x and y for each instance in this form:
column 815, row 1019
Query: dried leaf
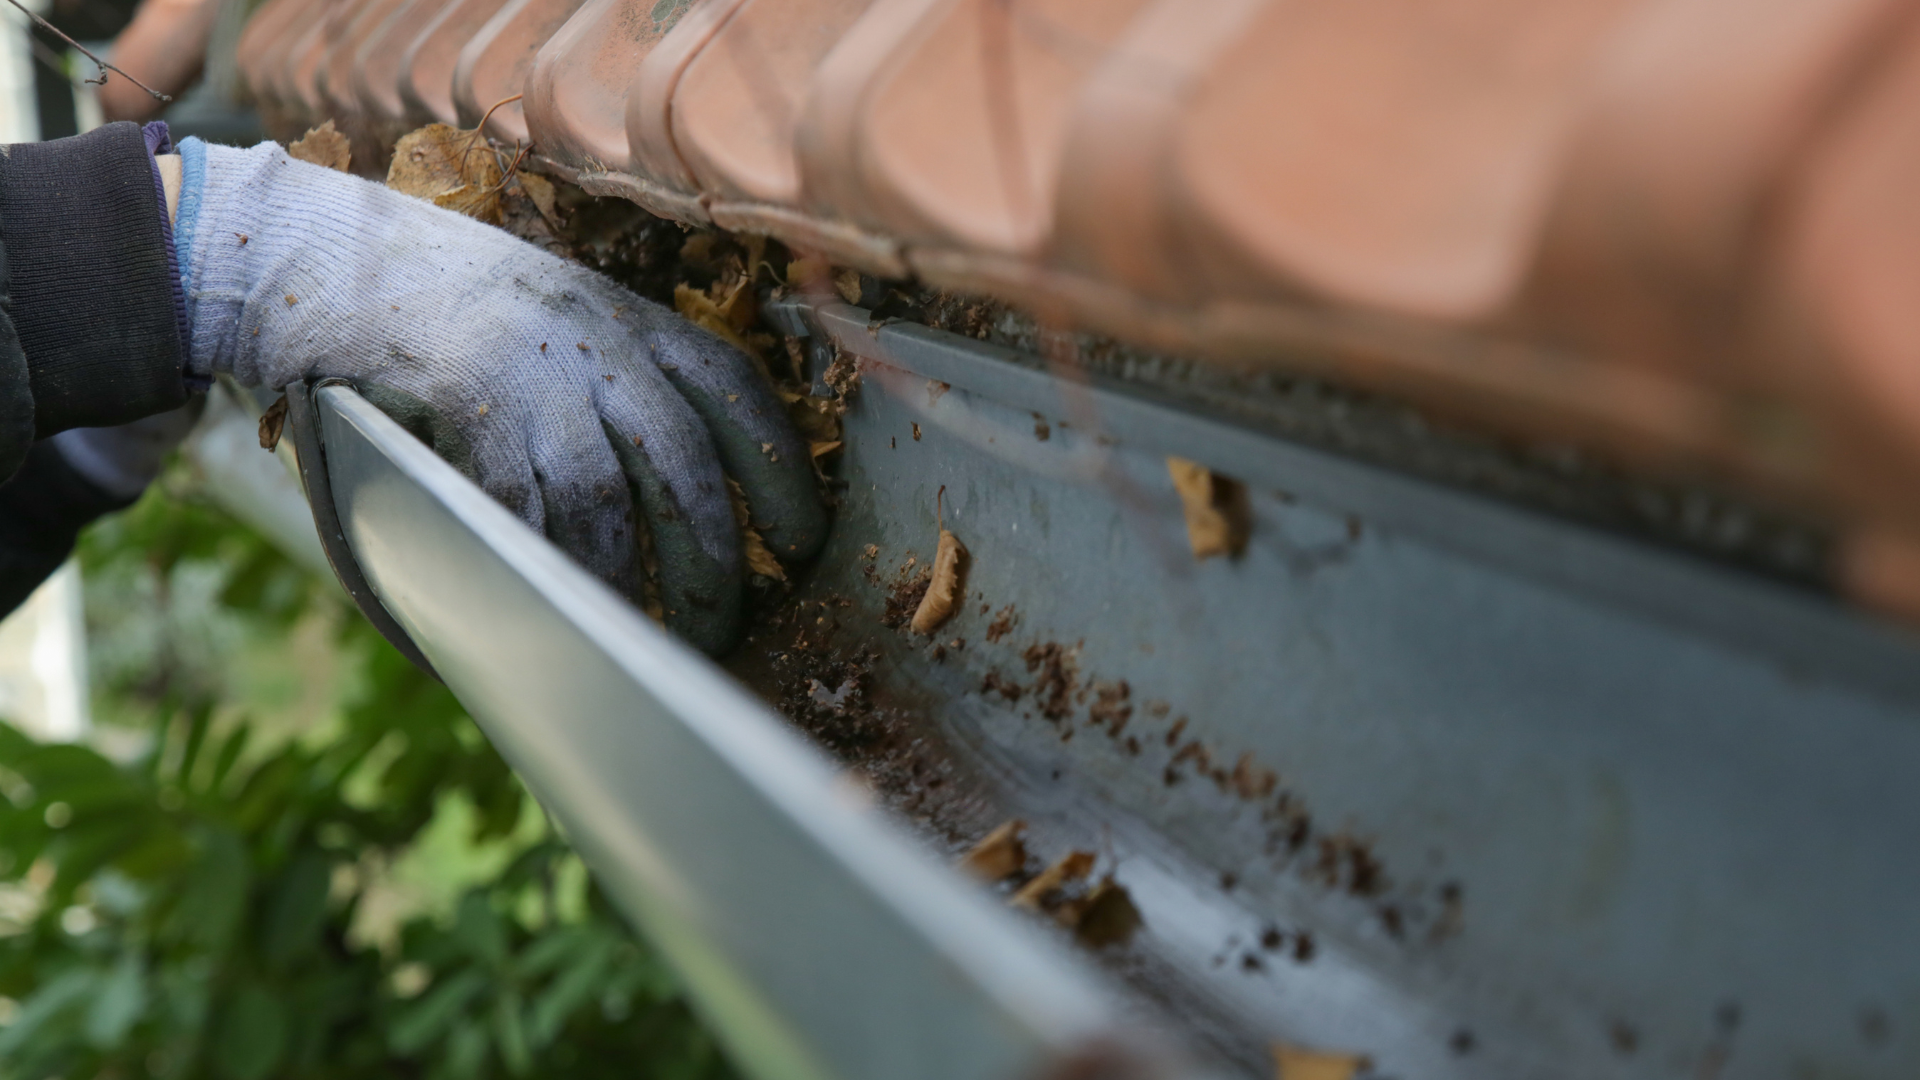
column 323, row 146
column 822, row 449
column 1106, row 916
column 450, row 168
column 1294, row 1063
column 999, row 855
column 843, row 376
column 700, row 309
column 273, row 422
column 1218, row 518
column 1072, row 867
column 760, row 558
column 847, row 284
column 540, row 191
column 943, row 591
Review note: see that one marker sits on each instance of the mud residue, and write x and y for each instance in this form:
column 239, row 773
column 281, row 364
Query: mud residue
column 1056, row 667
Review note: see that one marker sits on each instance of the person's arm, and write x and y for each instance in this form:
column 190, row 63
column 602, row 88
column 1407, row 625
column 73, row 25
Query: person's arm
column 602, row 419
column 164, row 46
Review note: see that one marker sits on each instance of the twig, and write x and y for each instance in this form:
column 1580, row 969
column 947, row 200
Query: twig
column 88, row 53
column 477, row 128
column 512, row 167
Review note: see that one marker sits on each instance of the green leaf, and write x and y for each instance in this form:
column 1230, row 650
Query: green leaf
column 511, row 1033
column 466, row 1051
column 552, row 949
column 575, row 987
column 297, row 908
column 425, row 1022
column 229, row 753
column 65, row 992
column 252, row 1035
column 215, row 896
column 480, row 929
column 119, row 1001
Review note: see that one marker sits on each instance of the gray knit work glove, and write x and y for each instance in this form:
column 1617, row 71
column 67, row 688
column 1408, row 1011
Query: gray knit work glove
column 587, row 411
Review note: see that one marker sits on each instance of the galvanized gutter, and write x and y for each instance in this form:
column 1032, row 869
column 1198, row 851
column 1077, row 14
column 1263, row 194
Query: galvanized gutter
column 1674, row 800
column 817, row 941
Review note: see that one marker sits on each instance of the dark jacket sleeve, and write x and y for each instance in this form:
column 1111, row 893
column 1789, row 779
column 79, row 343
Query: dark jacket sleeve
column 92, row 330
column 42, row 510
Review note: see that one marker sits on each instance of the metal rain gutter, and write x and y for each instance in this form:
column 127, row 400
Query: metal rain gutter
column 817, row 941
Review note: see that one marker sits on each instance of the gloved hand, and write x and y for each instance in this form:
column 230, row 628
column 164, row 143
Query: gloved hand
column 587, row 411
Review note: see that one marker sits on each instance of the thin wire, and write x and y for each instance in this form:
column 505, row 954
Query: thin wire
column 99, row 63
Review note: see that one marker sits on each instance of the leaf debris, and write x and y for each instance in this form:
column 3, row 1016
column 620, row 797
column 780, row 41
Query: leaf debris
column 273, row 422
column 1296, row 1063
column 324, row 146
column 760, row 559
column 1218, row 517
column 943, row 590
column 1071, row 867
column 450, row 168
column 999, row 855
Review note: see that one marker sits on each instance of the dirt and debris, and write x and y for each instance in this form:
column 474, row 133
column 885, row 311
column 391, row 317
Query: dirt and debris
column 1110, row 708
column 1219, row 517
column 995, row 683
column 843, row 376
column 1343, row 861
column 324, row 146
column 1297, row 1063
column 1624, row 1037
column 1002, row 624
column 1057, row 668
column 904, row 596
column 1251, row 780
column 760, row 558
column 1106, row 916
column 999, row 855
column 1069, row 868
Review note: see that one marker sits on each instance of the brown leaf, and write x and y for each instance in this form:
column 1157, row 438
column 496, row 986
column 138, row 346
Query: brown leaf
column 843, row 376
column 545, row 199
column 1106, row 916
column 1071, row 867
column 700, row 309
column 760, row 558
column 450, row 168
column 999, row 855
column 1295, row 1063
column 847, row 284
column 1218, row 518
column 273, row 422
column 936, row 607
column 822, row 449
column 323, row 146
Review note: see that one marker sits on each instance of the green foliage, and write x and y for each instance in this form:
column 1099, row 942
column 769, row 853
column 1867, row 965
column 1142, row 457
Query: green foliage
column 200, row 905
